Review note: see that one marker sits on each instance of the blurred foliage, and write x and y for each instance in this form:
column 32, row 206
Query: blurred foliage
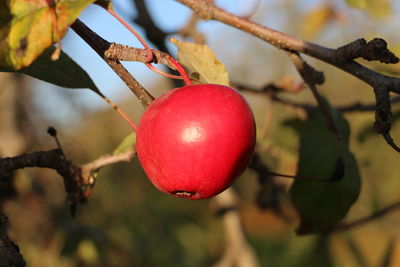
column 127, row 222
column 379, row 8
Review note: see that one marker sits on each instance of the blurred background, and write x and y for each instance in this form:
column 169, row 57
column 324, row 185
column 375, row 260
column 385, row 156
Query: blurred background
column 126, row 221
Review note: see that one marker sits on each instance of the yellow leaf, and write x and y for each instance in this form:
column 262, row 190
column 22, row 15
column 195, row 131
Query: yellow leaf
column 202, row 60
column 28, row 27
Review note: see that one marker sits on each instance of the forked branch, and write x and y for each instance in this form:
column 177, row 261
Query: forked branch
column 101, row 46
column 78, row 180
column 342, row 58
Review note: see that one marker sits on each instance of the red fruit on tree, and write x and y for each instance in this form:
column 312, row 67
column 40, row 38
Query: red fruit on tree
column 194, row 141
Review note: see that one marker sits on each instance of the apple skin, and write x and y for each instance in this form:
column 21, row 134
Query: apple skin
column 194, row 141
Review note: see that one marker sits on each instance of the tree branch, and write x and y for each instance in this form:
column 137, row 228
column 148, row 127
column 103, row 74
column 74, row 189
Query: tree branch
column 342, row 58
column 375, row 49
column 312, row 77
column 52, row 159
column 78, row 180
column 383, row 115
column 101, row 46
column 9, row 251
column 208, row 11
column 128, row 53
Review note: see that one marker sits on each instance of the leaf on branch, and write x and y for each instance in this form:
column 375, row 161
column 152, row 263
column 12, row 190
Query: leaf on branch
column 202, row 60
column 321, row 205
column 27, row 28
column 63, row 72
column 127, row 144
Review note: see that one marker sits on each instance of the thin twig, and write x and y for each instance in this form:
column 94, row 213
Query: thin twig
column 53, row 133
column 272, row 90
column 364, row 107
column 108, row 159
column 152, row 31
column 354, row 107
column 312, row 77
column 376, row 215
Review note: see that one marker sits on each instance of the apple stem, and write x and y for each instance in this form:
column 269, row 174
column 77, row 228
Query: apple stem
column 129, row 28
column 150, row 55
column 163, row 73
column 181, row 70
column 121, row 113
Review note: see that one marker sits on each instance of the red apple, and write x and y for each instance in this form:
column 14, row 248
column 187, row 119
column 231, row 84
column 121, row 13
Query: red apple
column 194, row 141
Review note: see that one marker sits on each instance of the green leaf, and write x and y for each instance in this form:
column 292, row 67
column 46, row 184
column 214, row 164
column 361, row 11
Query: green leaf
column 320, row 204
column 63, row 72
column 202, row 60
column 126, row 144
column 28, row 27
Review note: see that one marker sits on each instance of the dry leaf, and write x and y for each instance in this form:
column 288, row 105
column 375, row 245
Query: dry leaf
column 202, row 60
